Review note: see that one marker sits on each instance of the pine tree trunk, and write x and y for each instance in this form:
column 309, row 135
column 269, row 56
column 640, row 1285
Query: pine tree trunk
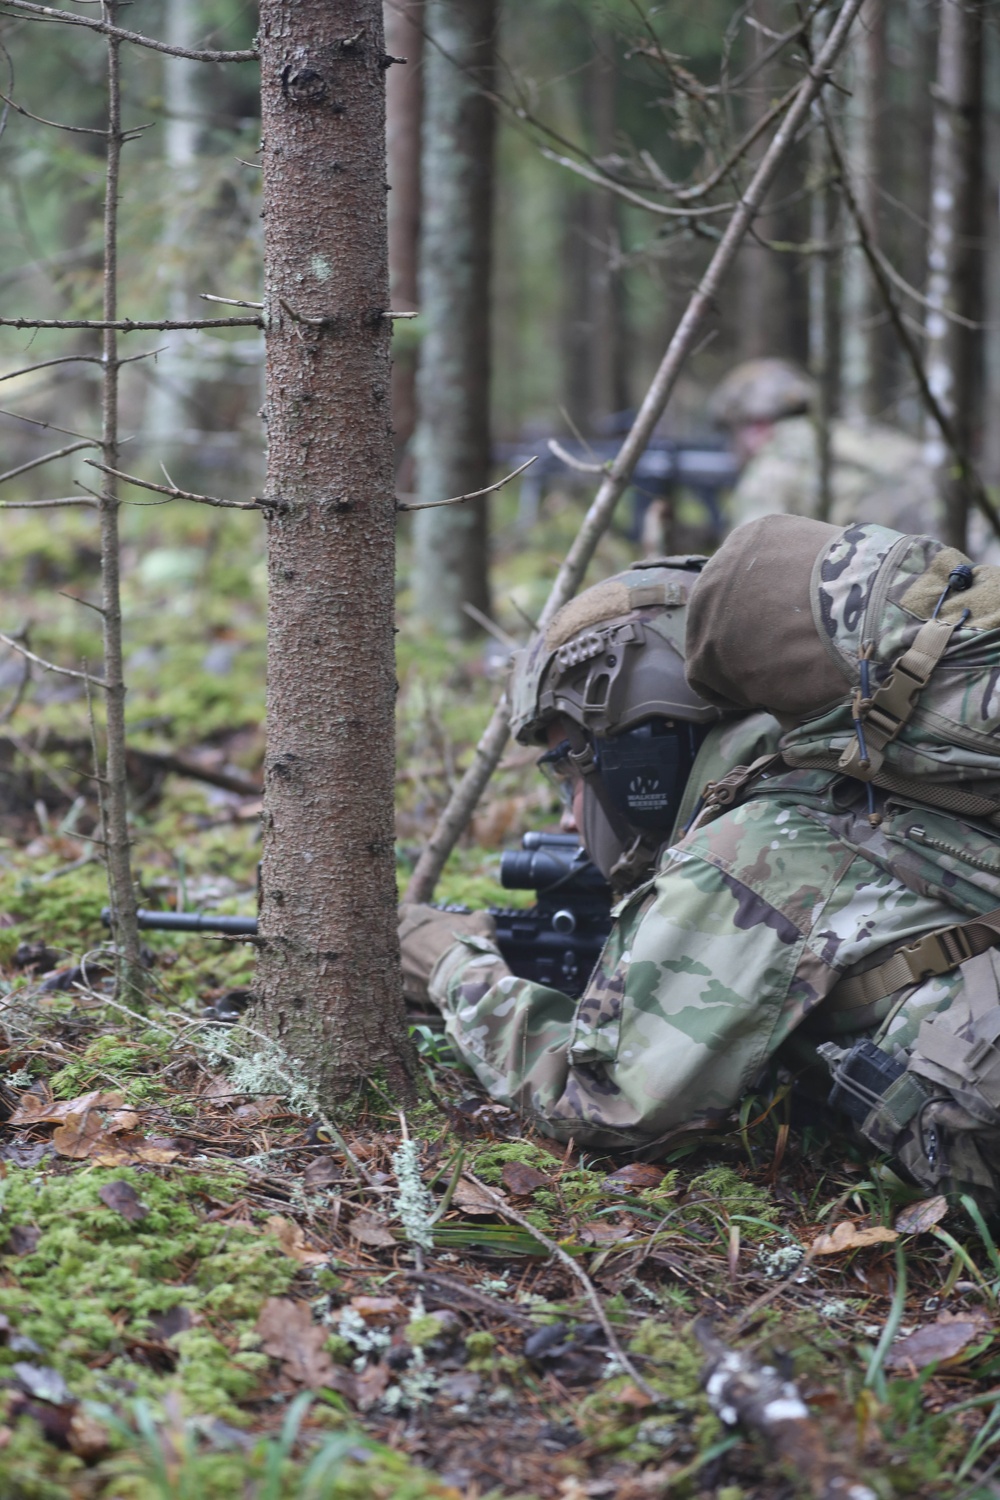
column 169, row 401
column 859, row 341
column 953, row 248
column 328, row 977
column 404, row 104
column 450, row 562
column 604, row 292
column 763, row 304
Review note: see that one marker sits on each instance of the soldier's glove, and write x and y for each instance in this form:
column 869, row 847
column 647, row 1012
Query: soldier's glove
column 426, row 934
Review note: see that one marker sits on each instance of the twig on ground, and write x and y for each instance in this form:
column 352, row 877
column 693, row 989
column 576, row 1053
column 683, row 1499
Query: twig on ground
column 590, row 1291
column 758, row 1397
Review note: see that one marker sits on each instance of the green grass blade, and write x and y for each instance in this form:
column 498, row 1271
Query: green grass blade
column 897, row 1307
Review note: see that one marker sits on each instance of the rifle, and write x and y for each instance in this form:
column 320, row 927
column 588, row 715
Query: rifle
column 556, row 942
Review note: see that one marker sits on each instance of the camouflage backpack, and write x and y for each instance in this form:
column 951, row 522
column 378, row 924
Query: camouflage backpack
column 880, row 655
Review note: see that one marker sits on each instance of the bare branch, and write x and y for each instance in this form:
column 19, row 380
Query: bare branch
column 172, row 491
column 229, row 301
column 902, row 285
column 490, row 626
column 55, row 124
column 129, row 325
column 575, row 463
column 966, row 467
column 18, row 694
column 48, row 504
column 50, row 666
column 72, row 359
column 604, row 181
column 46, row 458
column 48, row 13
column 48, row 426
column 472, row 495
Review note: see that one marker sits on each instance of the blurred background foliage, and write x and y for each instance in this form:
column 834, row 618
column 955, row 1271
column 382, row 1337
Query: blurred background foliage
column 585, row 291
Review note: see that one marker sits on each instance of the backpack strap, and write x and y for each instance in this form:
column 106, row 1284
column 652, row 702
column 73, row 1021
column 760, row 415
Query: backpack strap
column 935, row 952
column 888, row 710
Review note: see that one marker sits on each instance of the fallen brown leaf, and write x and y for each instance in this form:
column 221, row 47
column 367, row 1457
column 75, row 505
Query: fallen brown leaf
column 847, row 1236
column 521, row 1181
column 598, row 1232
column 634, row 1177
column 293, row 1242
column 23, row 1238
column 258, row 1110
column 370, row 1229
column 87, row 1438
column 79, row 1134
column 469, row 1197
column 371, row 1385
column 917, row 1217
column 321, row 1172
column 123, row 1199
column 288, row 1333
column 940, row 1342
column 379, row 1309
column 41, row 1109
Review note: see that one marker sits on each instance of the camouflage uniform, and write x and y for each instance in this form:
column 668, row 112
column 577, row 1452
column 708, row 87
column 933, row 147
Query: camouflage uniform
column 733, row 953
column 877, row 474
column 747, row 925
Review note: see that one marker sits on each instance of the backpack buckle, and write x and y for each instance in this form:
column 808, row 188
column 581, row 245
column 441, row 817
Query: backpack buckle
column 937, row 953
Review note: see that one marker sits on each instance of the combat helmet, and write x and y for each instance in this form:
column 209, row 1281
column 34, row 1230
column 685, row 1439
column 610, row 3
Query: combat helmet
column 761, row 390
column 610, row 666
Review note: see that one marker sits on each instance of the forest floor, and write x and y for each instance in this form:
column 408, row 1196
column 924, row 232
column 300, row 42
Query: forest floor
column 207, row 1290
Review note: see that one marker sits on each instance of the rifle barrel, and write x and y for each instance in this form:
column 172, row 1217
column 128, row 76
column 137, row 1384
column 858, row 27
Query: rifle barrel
column 190, row 921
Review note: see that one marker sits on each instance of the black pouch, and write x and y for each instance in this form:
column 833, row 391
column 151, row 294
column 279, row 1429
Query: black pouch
column 861, row 1079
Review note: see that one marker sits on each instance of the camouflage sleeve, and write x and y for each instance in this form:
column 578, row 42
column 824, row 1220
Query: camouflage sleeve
column 707, row 970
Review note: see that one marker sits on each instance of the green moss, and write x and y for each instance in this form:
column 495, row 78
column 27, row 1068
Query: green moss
column 726, row 1192
column 421, row 1331
column 111, row 1058
column 93, row 1282
column 479, row 1344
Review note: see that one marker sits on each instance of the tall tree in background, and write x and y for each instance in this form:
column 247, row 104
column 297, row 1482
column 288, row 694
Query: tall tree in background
column 764, row 321
column 450, row 555
column 328, row 975
column 954, row 257
column 594, row 337
column 404, row 102
column 860, row 392
column 168, row 405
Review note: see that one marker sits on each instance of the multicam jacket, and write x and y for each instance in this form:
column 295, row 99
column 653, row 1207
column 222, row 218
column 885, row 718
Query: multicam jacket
column 711, row 966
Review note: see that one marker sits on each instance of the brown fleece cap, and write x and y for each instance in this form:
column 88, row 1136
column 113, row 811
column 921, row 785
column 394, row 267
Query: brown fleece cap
column 751, row 642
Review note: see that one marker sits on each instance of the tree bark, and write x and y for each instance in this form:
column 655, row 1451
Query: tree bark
column 860, row 341
column 131, row 977
column 170, row 391
column 328, row 979
column 954, row 258
column 404, row 38
column 763, row 310
column 450, row 562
